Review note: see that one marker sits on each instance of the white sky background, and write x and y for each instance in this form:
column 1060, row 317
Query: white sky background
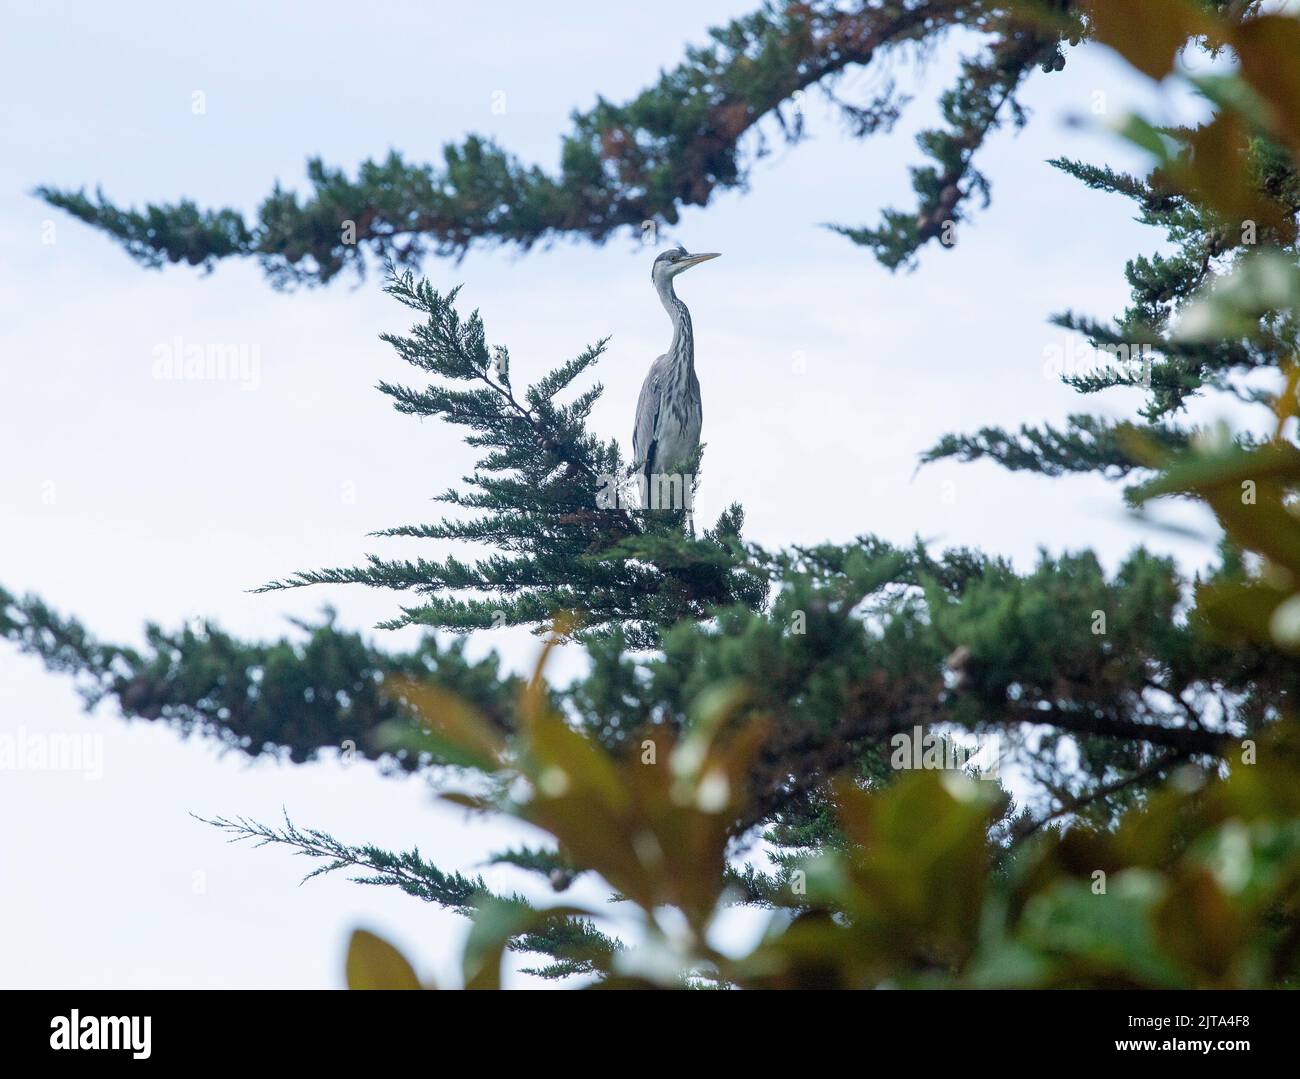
column 172, row 499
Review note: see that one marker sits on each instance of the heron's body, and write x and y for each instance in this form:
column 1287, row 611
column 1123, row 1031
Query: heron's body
column 669, row 412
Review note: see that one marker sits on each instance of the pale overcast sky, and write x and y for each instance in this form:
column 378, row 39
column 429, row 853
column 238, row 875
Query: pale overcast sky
column 125, row 498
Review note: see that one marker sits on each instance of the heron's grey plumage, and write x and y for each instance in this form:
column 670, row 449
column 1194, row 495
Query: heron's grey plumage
column 669, row 414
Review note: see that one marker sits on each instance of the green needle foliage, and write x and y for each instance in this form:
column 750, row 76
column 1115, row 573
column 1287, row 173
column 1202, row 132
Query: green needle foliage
column 288, row 698
column 547, row 496
column 1144, row 347
column 741, row 703
column 691, row 135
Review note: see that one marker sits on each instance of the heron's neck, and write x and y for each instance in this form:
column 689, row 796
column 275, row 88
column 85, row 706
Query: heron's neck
column 682, row 350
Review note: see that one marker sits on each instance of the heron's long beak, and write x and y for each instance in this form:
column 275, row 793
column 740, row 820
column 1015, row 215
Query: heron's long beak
column 695, row 260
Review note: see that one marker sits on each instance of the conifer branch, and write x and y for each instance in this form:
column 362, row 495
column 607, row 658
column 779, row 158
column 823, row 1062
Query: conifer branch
column 550, row 495
column 568, row 941
column 678, row 143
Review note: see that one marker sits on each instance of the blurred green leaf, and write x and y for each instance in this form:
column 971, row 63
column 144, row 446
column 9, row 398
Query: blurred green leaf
column 496, row 923
column 373, row 963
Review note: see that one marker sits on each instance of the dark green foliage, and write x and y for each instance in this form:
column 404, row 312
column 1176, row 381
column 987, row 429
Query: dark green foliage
column 972, row 109
column 546, row 492
column 565, row 942
column 1172, row 367
column 289, row 698
column 1106, row 682
column 675, row 144
column 1086, row 444
column 891, row 639
column 407, row 870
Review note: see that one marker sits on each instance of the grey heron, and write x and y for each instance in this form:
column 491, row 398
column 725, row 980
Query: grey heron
column 668, row 411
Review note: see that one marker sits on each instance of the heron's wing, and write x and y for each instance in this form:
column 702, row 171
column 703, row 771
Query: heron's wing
column 647, row 416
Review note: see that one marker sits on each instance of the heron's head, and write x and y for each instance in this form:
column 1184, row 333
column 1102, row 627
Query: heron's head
column 676, row 260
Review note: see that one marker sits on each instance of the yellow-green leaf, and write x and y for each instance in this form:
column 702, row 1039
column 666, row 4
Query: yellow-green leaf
column 373, row 963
